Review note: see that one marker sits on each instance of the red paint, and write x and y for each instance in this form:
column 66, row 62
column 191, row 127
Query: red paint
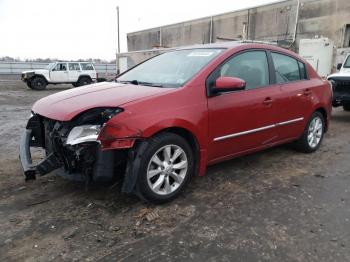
column 149, row 110
column 229, row 83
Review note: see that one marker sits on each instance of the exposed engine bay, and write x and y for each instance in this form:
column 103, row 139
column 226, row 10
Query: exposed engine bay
column 72, row 148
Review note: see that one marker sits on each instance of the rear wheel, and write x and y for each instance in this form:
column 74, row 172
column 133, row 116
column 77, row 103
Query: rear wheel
column 166, row 168
column 346, row 107
column 75, row 84
column 312, row 137
column 84, row 81
column 38, row 83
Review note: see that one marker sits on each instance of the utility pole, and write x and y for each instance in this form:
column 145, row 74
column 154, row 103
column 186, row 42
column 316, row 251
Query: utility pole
column 118, row 64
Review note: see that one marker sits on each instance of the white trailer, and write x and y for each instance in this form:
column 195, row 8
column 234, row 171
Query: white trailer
column 319, row 53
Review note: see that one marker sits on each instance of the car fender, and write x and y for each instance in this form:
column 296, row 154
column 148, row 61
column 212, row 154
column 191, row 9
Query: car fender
column 84, row 75
column 124, row 130
column 41, row 75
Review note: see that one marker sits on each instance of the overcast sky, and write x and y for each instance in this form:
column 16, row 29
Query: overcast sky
column 73, row 29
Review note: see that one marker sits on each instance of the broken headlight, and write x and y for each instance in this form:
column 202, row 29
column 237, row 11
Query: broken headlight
column 89, row 124
column 81, row 134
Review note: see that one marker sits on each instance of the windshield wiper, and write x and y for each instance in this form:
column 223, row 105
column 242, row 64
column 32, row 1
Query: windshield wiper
column 150, row 84
column 134, row 82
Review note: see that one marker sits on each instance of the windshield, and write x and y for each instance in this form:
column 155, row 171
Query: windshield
column 49, row 66
column 347, row 63
column 172, row 69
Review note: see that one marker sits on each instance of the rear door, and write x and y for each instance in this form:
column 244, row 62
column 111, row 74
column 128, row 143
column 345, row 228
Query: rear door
column 242, row 121
column 74, row 72
column 59, row 74
column 295, row 103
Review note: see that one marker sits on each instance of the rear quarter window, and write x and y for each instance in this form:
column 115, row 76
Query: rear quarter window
column 87, row 66
column 302, row 69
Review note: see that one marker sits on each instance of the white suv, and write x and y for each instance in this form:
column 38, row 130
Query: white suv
column 75, row 73
column 341, row 85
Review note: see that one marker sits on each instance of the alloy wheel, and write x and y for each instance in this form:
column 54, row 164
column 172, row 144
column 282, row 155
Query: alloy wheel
column 315, row 132
column 167, row 169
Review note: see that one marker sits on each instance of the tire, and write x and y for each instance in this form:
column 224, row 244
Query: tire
column 84, row 81
column 29, row 84
column 38, row 83
column 75, row 84
column 311, row 139
column 156, row 172
column 346, row 107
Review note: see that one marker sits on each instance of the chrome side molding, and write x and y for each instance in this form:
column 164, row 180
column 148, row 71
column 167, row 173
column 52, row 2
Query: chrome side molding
column 258, row 129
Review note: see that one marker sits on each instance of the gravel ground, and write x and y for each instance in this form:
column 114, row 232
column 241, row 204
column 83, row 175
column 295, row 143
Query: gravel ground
column 277, row 205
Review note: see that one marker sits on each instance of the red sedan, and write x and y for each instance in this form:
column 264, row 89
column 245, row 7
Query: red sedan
column 167, row 119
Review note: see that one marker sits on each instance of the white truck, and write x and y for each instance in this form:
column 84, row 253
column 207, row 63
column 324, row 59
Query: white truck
column 341, row 85
column 75, row 73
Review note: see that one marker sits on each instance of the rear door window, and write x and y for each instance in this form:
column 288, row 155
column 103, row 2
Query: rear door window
column 73, row 66
column 288, row 69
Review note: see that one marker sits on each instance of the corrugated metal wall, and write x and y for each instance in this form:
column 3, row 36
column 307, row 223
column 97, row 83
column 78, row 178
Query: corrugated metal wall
column 15, row 68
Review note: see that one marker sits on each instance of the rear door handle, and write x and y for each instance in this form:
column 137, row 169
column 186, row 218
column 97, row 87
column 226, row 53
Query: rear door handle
column 268, row 101
column 307, row 92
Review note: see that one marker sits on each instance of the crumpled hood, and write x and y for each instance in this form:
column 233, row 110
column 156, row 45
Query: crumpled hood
column 64, row 106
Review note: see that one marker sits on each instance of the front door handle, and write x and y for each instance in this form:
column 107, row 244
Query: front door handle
column 268, row 101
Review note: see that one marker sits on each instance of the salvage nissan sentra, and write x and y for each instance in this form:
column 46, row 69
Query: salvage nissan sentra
column 170, row 117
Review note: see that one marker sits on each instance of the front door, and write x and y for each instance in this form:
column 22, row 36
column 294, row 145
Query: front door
column 245, row 120
column 59, row 74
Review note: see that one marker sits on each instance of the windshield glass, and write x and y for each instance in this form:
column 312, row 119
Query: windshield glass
column 49, row 66
column 347, row 63
column 172, row 69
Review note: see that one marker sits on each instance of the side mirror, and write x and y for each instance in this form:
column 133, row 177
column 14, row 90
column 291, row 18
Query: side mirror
column 339, row 66
column 228, row 84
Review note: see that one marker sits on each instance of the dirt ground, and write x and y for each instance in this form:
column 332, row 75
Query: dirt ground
column 277, row 205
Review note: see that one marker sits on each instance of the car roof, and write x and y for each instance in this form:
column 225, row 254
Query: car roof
column 249, row 44
column 72, row 62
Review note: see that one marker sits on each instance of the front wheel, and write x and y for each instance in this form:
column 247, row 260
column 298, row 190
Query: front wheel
column 29, row 84
column 312, row 137
column 166, row 168
column 38, row 83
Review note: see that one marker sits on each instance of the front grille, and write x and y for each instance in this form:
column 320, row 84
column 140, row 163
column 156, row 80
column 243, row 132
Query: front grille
column 342, row 87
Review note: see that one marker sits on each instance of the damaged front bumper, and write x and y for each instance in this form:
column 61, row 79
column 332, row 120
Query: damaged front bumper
column 81, row 162
column 50, row 163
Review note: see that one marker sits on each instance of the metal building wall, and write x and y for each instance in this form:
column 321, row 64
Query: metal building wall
column 273, row 22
